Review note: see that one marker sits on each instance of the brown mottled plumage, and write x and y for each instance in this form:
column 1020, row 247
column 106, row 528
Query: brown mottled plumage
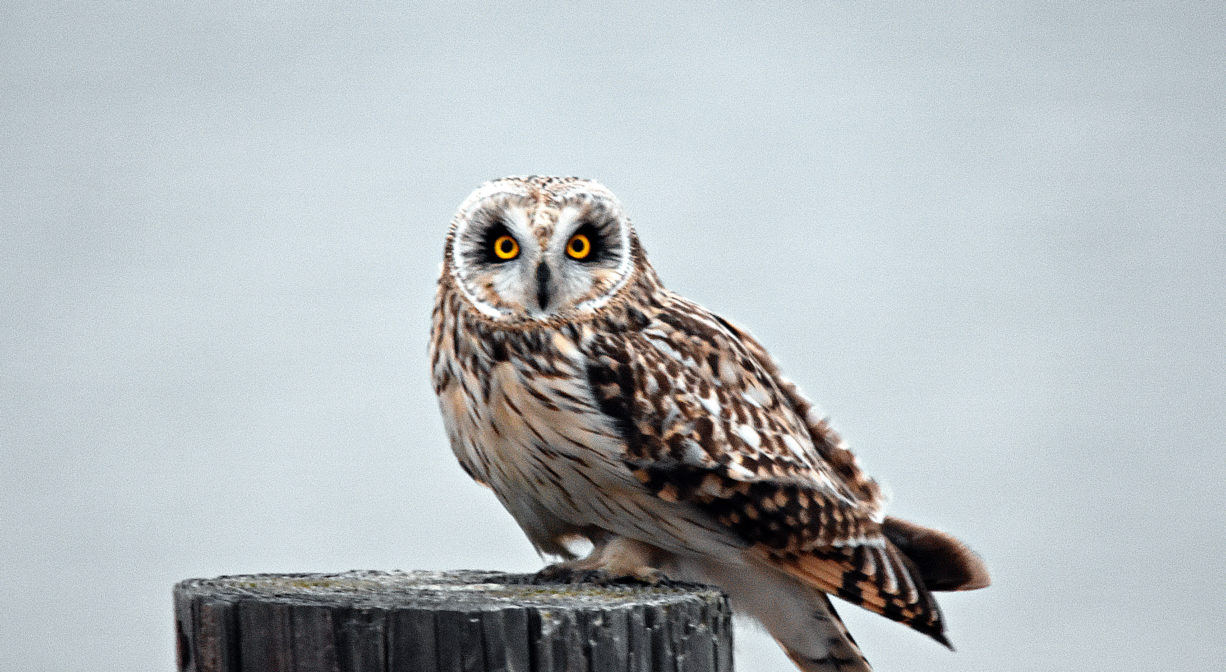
column 597, row 404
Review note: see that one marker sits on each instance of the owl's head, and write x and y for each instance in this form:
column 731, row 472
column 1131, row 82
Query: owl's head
column 538, row 248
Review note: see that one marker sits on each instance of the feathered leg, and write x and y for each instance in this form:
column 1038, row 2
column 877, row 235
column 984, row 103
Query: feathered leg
column 800, row 618
column 841, row 654
column 612, row 558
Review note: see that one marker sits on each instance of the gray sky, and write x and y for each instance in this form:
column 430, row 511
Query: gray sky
column 988, row 239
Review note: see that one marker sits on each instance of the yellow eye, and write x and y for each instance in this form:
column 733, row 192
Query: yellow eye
column 506, row 248
column 579, row 246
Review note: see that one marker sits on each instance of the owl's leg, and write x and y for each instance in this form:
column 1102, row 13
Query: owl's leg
column 612, row 559
column 800, row 618
column 622, row 557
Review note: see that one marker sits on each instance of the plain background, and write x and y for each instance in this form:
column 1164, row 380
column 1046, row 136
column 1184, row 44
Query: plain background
column 989, row 239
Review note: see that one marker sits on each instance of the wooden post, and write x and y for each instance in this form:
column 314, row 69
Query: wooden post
column 468, row 621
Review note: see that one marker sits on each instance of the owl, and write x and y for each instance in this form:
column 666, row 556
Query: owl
column 600, row 406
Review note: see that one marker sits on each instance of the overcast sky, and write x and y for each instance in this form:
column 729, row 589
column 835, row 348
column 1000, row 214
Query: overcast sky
column 988, row 239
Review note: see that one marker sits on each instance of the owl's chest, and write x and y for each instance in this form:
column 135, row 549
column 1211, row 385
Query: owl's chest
column 530, row 427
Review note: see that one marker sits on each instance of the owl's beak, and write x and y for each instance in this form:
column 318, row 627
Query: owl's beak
column 542, row 285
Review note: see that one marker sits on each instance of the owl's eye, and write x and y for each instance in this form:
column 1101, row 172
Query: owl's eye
column 505, row 248
column 579, row 246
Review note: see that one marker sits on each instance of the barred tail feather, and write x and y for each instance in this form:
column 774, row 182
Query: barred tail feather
column 878, row 578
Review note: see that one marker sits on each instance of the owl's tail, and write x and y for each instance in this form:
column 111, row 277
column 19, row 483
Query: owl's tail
column 894, row 577
column 787, row 593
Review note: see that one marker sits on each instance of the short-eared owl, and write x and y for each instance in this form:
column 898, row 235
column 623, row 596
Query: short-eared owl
column 599, row 405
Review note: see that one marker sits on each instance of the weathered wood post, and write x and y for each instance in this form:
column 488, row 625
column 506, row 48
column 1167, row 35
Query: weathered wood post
column 472, row 621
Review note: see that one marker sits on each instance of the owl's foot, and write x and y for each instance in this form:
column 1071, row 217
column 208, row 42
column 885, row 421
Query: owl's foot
column 563, row 573
column 645, row 575
column 616, row 560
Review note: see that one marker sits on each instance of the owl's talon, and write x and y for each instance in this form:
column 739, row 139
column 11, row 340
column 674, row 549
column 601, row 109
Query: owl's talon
column 560, row 573
column 598, row 577
column 646, row 576
column 551, row 574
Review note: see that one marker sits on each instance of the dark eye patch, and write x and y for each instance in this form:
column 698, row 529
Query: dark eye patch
column 484, row 251
column 601, row 237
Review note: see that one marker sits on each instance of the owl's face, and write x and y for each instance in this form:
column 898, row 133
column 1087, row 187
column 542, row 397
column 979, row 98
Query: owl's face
column 538, row 248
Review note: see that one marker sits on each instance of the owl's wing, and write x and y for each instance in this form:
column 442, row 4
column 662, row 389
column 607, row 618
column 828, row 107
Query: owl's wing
column 708, row 420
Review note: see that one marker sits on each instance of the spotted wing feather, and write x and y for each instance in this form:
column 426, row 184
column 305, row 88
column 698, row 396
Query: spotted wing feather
column 708, row 420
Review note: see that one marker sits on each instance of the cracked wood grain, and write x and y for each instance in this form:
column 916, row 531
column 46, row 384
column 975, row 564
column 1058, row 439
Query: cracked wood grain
column 462, row 621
